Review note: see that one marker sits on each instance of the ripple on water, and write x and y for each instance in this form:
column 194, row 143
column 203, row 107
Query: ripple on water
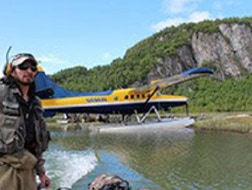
column 65, row 167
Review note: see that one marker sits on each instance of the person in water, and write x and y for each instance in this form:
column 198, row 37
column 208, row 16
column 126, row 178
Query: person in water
column 23, row 133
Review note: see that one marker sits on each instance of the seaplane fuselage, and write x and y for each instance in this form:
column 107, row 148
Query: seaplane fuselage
column 122, row 101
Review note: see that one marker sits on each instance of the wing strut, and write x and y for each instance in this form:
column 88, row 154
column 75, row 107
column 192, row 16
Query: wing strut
column 141, row 120
column 150, row 96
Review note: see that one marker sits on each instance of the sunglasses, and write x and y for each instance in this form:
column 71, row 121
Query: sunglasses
column 27, row 66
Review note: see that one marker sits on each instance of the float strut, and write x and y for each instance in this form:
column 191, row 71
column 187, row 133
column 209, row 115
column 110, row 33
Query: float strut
column 141, row 120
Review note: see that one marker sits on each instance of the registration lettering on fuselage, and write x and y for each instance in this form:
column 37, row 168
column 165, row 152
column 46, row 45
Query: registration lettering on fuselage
column 92, row 100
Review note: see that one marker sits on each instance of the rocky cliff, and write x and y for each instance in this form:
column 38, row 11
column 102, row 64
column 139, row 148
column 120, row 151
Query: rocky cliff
column 228, row 51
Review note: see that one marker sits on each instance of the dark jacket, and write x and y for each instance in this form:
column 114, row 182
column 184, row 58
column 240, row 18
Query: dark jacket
column 22, row 125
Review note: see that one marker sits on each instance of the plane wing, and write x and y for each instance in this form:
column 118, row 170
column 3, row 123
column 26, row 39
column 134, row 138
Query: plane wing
column 176, row 79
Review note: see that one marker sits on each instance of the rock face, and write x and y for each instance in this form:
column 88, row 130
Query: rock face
column 228, row 52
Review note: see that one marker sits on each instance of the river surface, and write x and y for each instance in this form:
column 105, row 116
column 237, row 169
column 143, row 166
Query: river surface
column 178, row 159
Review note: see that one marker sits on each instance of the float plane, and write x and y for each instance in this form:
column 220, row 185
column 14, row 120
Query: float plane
column 125, row 102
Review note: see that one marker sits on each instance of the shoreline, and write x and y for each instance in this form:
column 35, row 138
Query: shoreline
column 239, row 122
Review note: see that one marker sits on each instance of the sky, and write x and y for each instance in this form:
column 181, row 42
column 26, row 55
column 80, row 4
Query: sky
column 66, row 33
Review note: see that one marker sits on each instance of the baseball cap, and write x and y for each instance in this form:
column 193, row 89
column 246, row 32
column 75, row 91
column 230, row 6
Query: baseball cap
column 21, row 58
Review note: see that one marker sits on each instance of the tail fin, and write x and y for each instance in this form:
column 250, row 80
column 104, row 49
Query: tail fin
column 46, row 88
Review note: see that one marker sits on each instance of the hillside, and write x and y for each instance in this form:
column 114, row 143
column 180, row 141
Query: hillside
column 224, row 45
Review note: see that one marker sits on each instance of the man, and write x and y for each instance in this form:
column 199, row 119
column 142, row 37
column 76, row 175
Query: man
column 23, row 134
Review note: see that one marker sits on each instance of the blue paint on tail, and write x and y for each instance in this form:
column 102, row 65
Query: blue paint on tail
column 46, row 88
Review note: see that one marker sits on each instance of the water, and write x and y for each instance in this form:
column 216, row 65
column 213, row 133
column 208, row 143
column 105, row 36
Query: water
column 180, row 159
column 66, row 167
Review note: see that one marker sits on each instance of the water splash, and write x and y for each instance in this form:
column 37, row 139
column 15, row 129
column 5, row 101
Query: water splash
column 65, row 167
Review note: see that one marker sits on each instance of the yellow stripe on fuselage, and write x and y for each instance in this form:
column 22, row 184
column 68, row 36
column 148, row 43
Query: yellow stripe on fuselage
column 117, row 97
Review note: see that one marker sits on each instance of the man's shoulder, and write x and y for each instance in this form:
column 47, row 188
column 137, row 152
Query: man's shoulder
column 2, row 86
column 2, row 89
column 3, row 83
column 37, row 101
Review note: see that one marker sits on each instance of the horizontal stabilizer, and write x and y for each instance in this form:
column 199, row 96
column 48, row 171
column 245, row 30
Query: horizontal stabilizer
column 45, row 93
column 176, row 79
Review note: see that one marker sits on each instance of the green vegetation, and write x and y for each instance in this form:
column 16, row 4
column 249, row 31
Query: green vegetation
column 207, row 94
column 140, row 61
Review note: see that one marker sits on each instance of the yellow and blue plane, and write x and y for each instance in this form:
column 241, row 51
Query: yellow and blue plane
column 56, row 99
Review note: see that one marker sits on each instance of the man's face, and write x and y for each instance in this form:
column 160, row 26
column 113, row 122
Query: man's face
column 25, row 72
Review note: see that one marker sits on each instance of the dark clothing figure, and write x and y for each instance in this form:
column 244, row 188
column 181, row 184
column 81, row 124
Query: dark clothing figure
column 23, row 134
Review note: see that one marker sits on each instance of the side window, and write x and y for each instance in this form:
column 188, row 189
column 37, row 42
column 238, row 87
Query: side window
column 132, row 96
column 126, row 97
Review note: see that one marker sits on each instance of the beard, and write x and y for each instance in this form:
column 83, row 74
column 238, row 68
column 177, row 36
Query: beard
column 25, row 83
